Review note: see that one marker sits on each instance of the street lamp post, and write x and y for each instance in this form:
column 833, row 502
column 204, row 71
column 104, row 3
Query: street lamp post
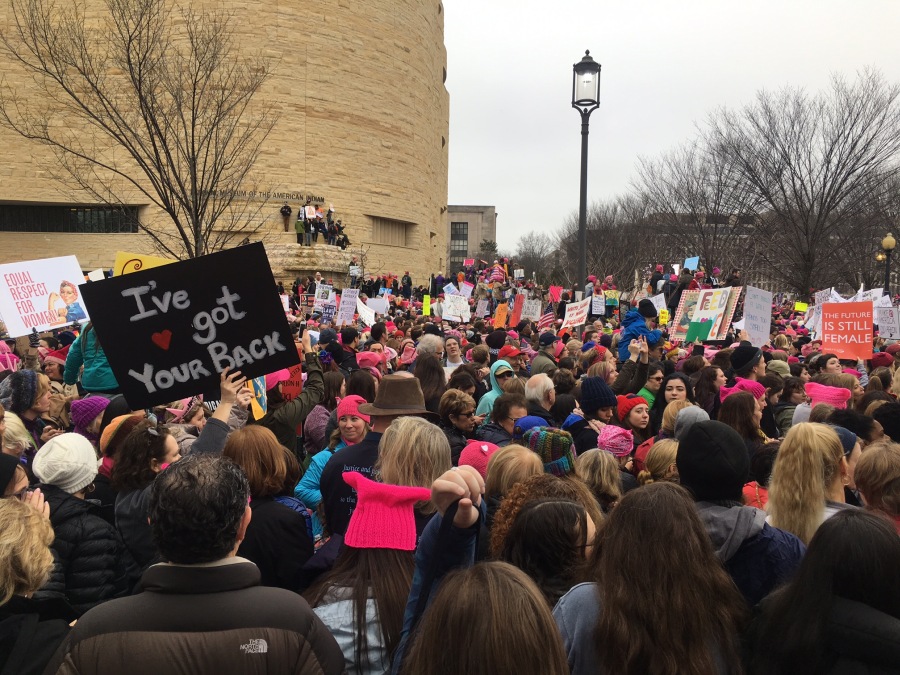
column 585, row 99
column 887, row 245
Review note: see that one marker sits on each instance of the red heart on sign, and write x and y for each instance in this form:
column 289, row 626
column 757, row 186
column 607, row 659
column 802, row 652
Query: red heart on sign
column 162, row 339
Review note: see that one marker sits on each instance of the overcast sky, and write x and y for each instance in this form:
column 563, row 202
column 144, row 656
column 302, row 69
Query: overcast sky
column 515, row 139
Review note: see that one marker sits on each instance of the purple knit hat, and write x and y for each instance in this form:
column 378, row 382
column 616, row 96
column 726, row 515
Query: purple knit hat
column 85, row 411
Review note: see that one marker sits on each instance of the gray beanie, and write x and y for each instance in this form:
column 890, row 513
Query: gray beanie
column 687, row 418
column 67, row 461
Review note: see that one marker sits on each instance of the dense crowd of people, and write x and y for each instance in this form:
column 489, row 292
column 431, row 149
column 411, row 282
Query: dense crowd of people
column 460, row 497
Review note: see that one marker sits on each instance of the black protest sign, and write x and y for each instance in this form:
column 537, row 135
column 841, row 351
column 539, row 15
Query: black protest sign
column 170, row 331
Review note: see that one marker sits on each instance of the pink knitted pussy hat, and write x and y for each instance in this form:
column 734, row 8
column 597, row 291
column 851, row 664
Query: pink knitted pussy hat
column 822, row 393
column 742, row 384
column 383, row 517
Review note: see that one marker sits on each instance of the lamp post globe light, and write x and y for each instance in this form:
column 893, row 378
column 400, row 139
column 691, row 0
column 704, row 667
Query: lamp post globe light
column 887, row 245
column 585, row 99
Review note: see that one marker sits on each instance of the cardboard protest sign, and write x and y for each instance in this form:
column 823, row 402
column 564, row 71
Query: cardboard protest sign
column 888, row 320
column 465, row 289
column 96, row 275
column 481, row 309
column 757, row 315
column 576, row 313
column 683, row 314
column 847, row 329
column 598, row 305
column 698, row 331
column 712, row 305
column 500, row 315
column 531, row 310
column 365, row 313
column 41, row 294
column 426, row 305
column 456, row 308
column 377, row 305
column 323, row 295
column 612, row 298
column 348, row 307
column 169, row 332
column 518, row 306
column 126, row 263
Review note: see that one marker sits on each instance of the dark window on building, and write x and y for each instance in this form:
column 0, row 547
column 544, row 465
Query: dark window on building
column 68, row 219
column 459, row 231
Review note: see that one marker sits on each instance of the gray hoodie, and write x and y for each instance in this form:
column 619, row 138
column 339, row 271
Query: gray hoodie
column 730, row 527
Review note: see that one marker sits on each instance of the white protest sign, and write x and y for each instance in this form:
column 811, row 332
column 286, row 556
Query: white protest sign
column 323, row 295
column 365, row 313
column 348, row 307
column 41, row 294
column 531, row 310
column 888, row 320
column 465, row 289
column 285, row 302
column 378, row 305
column 576, row 313
column 659, row 301
column 883, row 301
column 450, row 289
column 518, row 274
column 481, row 309
column 739, row 325
column 456, row 308
column 579, row 295
column 96, row 275
column 598, row 305
column 757, row 315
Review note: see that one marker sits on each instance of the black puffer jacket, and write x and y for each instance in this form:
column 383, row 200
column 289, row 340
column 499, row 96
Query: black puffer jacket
column 457, row 439
column 90, row 552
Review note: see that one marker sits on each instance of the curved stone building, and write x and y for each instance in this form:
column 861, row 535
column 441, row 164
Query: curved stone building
column 364, row 117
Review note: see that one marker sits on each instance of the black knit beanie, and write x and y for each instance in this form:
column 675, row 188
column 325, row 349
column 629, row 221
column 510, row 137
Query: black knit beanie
column 713, row 462
column 18, row 391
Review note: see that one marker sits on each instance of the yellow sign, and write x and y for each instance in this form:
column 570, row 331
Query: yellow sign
column 663, row 317
column 800, row 306
column 126, row 263
column 426, row 305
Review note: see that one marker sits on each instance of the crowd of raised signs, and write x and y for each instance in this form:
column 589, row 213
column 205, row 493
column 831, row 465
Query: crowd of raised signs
column 470, row 474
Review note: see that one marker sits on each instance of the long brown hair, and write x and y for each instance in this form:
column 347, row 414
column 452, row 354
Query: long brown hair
column 668, row 605
column 487, row 619
column 385, row 575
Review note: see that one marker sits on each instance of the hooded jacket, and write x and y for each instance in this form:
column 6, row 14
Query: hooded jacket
column 758, row 557
column 633, row 327
column 92, row 557
column 486, row 404
column 86, row 351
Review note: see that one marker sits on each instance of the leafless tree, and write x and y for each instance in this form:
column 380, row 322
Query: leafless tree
column 620, row 241
column 815, row 165
column 534, row 254
column 697, row 206
column 144, row 102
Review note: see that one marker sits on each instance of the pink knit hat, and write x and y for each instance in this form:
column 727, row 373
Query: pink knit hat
column 349, row 405
column 370, row 361
column 276, row 378
column 383, row 517
column 821, row 393
column 741, row 384
column 850, row 371
column 618, row 441
column 477, row 454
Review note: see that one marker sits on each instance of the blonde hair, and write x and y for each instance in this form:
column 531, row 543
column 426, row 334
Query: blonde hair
column 782, row 341
column 513, row 385
column 510, row 465
column 877, row 477
column 600, row 472
column 25, row 557
column 660, row 458
column 43, row 386
column 872, row 407
column 16, row 437
column 599, row 369
column 413, row 452
column 671, row 413
column 807, row 463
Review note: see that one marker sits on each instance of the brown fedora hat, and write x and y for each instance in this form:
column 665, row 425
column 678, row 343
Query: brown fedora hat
column 397, row 395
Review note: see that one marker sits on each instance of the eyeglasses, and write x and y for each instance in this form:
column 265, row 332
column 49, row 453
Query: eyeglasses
column 656, row 379
column 503, row 375
column 471, row 413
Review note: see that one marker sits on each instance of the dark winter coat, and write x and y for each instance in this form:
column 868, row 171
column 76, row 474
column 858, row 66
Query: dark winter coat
column 212, row 619
column 457, row 440
column 583, row 436
column 30, row 632
column 758, row 557
column 93, row 558
column 277, row 541
column 283, row 420
column 493, row 433
column 338, row 498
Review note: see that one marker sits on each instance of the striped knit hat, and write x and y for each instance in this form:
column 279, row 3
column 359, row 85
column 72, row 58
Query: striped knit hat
column 554, row 447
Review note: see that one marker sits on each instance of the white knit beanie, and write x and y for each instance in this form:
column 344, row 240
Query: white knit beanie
column 67, row 461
